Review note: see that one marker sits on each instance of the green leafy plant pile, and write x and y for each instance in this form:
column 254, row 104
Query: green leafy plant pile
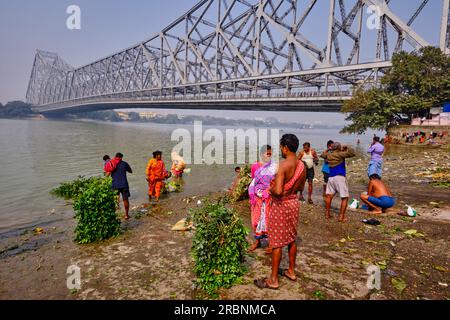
column 241, row 190
column 72, row 189
column 94, row 206
column 219, row 246
column 95, row 210
column 172, row 186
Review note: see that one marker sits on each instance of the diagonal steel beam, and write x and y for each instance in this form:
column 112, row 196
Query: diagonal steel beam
column 410, row 35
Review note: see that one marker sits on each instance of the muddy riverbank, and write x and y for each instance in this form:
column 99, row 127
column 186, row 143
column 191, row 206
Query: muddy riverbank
column 149, row 261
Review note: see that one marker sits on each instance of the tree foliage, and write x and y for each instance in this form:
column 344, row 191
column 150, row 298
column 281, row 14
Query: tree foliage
column 415, row 83
column 15, row 109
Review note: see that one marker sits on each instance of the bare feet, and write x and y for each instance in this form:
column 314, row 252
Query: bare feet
column 342, row 219
column 328, row 215
column 269, row 250
column 254, row 246
column 286, row 273
column 127, row 217
column 265, row 283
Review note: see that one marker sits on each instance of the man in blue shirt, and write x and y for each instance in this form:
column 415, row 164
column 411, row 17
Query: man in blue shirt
column 326, row 168
column 337, row 181
column 120, row 182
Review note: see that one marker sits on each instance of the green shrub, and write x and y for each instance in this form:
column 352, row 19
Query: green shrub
column 94, row 206
column 72, row 189
column 241, row 190
column 95, row 210
column 219, row 246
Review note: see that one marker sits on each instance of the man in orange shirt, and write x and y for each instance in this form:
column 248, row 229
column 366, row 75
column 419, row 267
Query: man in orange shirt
column 156, row 173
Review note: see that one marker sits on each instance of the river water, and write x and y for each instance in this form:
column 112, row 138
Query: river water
column 37, row 155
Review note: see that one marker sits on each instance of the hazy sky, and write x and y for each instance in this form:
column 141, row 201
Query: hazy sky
column 111, row 25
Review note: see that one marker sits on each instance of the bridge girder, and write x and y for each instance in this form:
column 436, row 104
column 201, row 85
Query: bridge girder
column 239, row 48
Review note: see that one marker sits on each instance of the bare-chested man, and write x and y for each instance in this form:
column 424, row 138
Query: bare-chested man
column 283, row 217
column 379, row 197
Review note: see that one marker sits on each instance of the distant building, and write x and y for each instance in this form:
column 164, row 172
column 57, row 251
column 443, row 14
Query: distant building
column 440, row 116
column 123, row 115
column 147, row 114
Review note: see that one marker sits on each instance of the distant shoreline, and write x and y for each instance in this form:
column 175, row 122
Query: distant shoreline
column 186, row 120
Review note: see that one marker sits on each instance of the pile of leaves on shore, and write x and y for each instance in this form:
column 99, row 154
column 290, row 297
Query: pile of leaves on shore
column 441, row 178
column 71, row 190
column 219, row 246
column 172, row 186
column 241, row 190
column 94, row 206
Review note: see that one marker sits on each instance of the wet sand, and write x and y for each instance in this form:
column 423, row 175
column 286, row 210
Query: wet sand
column 148, row 261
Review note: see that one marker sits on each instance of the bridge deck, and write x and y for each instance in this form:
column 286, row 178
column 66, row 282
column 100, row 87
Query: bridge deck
column 303, row 104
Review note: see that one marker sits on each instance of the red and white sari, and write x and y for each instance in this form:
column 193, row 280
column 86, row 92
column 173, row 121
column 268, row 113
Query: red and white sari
column 284, row 213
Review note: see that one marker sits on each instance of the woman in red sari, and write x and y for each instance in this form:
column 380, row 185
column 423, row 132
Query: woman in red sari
column 284, row 212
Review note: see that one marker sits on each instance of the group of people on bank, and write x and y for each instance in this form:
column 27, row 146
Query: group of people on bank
column 155, row 174
column 277, row 189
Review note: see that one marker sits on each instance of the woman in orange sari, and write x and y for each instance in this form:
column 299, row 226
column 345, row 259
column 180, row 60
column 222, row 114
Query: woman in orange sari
column 156, row 174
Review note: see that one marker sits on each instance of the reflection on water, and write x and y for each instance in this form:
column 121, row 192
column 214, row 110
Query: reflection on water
column 38, row 155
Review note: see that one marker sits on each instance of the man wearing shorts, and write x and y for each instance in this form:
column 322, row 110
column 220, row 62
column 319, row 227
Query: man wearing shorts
column 337, row 181
column 379, row 197
column 120, row 182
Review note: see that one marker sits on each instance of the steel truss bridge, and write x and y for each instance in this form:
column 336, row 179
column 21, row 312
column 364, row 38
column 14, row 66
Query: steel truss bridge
column 245, row 54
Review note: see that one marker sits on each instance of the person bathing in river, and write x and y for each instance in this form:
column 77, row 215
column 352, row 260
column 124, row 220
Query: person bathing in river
column 178, row 165
column 310, row 158
column 120, row 181
column 283, row 217
column 376, row 151
column 378, row 197
column 260, row 199
column 156, row 173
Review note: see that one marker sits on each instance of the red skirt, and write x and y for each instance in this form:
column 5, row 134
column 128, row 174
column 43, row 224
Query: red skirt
column 283, row 221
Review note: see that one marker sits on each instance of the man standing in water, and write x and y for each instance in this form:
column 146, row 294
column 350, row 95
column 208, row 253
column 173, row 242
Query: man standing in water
column 337, row 181
column 120, row 181
column 283, row 217
column 310, row 158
